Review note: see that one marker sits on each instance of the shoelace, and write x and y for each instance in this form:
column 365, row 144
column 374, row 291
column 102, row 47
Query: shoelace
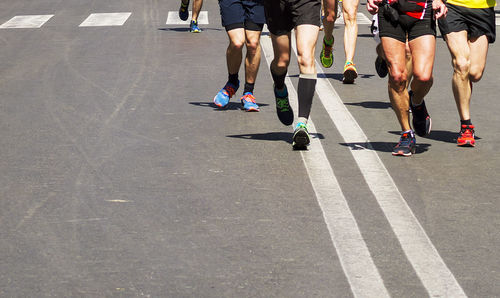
column 230, row 90
column 283, row 104
column 405, row 140
column 328, row 49
column 467, row 131
column 249, row 97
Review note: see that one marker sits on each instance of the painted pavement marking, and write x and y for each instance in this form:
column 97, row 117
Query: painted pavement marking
column 106, row 19
column 27, row 21
column 353, row 253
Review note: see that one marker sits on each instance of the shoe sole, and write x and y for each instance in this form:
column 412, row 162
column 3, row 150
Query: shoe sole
column 220, row 106
column 251, row 110
column 401, row 153
column 349, row 76
column 300, row 141
column 381, row 70
column 467, row 144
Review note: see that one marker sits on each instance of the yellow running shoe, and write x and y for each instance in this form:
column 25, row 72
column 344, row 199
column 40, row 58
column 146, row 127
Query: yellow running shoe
column 350, row 72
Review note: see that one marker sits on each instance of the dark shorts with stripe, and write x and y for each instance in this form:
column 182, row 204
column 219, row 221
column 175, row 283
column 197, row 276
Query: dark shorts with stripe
column 406, row 27
column 284, row 15
column 476, row 21
column 248, row 14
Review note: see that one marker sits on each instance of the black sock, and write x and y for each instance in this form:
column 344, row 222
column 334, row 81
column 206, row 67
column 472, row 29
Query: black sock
column 248, row 87
column 305, row 93
column 233, row 79
column 279, row 80
column 465, row 122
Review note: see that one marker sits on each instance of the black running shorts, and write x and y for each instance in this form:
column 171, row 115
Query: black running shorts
column 405, row 27
column 476, row 21
column 284, row 15
column 248, row 14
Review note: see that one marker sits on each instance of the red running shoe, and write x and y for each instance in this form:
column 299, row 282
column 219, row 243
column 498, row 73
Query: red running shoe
column 466, row 137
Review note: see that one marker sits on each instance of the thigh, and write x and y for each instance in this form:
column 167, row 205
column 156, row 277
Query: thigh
column 350, row 7
column 478, row 53
column 281, row 45
column 395, row 53
column 423, row 50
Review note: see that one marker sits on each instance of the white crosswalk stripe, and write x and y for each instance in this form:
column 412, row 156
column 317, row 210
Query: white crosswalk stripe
column 27, row 21
column 173, row 18
column 106, row 19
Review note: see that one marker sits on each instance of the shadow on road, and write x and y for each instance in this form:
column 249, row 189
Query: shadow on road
column 230, row 105
column 186, row 29
column 439, row 135
column 383, row 146
column 273, row 136
column 371, row 104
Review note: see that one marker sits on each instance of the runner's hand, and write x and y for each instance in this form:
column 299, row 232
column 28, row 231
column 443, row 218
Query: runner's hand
column 372, row 6
column 439, row 8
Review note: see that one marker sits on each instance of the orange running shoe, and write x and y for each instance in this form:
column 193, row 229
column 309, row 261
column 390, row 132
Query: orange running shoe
column 466, row 137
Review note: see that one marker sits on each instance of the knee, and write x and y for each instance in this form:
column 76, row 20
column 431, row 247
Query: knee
column 305, row 60
column 350, row 15
column 397, row 80
column 461, row 66
column 475, row 74
column 423, row 77
column 281, row 62
column 236, row 44
column 252, row 45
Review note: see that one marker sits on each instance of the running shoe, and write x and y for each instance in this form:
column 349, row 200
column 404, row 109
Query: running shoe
column 222, row 98
column 283, row 108
column 300, row 137
column 193, row 27
column 421, row 120
column 381, row 67
column 183, row 11
column 326, row 55
column 406, row 145
column 350, row 72
column 466, row 137
column 248, row 102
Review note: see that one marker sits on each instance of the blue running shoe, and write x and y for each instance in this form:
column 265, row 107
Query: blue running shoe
column 222, row 98
column 194, row 27
column 183, row 11
column 248, row 102
column 406, row 145
column 300, row 137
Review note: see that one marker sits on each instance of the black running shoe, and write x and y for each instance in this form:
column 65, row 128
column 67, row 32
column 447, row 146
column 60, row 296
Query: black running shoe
column 421, row 120
column 406, row 145
column 300, row 137
column 283, row 108
column 381, row 67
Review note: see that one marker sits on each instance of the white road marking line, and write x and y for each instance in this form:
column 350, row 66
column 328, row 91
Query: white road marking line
column 173, row 18
column 361, row 19
column 30, row 21
column 361, row 272
column 106, row 19
column 425, row 259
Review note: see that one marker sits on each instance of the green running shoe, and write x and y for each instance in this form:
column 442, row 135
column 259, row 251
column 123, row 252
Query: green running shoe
column 326, row 55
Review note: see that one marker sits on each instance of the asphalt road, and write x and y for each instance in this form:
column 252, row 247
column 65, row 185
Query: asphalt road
column 119, row 178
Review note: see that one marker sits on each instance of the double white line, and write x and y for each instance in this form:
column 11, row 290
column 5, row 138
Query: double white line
column 357, row 263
